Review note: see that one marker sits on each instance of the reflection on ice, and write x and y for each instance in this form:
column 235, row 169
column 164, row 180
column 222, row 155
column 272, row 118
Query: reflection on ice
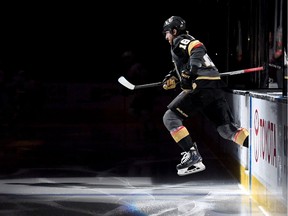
column 116, row 195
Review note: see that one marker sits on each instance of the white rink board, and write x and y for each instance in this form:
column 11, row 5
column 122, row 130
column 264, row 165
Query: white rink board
column 268, row 125
column 239, row 103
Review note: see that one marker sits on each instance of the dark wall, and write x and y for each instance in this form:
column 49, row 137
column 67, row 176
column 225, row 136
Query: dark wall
column 76, row 42
column 84, row 42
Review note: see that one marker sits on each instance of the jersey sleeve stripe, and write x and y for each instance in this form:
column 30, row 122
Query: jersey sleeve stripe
column 193, row 44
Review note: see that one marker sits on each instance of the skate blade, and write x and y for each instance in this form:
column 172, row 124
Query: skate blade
column 193, row 169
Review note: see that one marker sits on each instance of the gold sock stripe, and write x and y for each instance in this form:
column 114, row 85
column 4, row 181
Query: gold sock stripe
column 241, row 136
column 180, row 133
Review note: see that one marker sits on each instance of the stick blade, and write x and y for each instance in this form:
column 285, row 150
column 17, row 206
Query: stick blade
column 123, row 81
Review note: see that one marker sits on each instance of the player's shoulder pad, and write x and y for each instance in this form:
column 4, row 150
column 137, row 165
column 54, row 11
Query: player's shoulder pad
column 194, row 44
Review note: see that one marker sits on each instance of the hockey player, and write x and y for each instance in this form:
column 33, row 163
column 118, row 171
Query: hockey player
column 202, row 90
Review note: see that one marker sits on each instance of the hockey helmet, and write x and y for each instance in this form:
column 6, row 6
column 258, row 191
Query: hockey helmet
column 174, row 22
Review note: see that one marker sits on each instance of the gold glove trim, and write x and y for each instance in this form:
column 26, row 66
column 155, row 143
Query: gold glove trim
column 185, row 75
column 170, row 83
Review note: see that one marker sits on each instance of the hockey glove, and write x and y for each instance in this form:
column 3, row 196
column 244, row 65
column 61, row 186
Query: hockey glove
column 170, row 81
column 186, row 82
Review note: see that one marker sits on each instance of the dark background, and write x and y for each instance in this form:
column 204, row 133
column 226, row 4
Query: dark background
column 60, row 102
column 84, row 41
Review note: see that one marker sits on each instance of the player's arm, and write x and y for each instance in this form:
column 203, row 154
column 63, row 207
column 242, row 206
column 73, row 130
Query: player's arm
column 196, row 50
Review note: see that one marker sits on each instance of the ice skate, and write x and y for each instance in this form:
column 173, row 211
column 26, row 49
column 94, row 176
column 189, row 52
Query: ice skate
column 191, row 162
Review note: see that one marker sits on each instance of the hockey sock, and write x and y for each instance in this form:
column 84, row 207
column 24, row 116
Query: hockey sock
column 182, row 138
column 232, row 132
column 240, row 136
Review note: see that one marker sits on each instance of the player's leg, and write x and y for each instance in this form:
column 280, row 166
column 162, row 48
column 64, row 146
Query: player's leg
column 236, row 134
column 219, row 112
column 173, row 120
column 191, row 161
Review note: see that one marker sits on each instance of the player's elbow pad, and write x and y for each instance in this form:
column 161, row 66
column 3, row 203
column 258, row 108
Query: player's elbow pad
column 193, row 71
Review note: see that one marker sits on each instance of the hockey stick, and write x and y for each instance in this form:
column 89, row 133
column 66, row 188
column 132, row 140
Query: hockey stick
column 249, row 70
column 122, row 80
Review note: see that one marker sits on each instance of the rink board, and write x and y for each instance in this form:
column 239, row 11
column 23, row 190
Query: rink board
column 262, row 166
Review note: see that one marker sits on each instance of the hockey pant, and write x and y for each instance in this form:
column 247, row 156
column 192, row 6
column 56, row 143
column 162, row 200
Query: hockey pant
column 212, row 103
